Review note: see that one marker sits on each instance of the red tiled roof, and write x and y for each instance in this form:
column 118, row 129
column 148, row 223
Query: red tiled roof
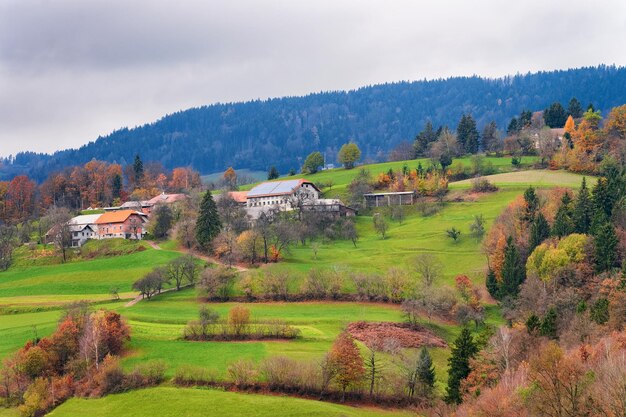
column 119, row 216
column 167, row 198
column 239, row 196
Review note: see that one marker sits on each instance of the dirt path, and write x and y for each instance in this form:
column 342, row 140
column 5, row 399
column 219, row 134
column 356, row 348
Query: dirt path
column 140, row 297
column 198, row 255
column 211, row 259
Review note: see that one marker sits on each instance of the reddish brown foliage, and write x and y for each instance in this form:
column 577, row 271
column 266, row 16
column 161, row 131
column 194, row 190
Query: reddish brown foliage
column 406, row 335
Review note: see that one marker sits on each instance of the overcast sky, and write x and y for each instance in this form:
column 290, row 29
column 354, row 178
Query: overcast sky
column 73, row 70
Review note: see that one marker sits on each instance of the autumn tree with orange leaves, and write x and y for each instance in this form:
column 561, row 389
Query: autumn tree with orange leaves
column 347, row 361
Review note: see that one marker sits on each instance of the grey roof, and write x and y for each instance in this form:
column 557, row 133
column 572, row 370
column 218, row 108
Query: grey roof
column 81, row 227
column 276, row 188
column 85, row 219
column 390, row 193
column 132, row 204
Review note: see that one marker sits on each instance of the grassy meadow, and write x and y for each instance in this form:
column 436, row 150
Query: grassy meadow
column 194, row 402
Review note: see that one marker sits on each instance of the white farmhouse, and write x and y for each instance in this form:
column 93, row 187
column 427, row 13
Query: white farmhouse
column 83, row 228
column 282, row 194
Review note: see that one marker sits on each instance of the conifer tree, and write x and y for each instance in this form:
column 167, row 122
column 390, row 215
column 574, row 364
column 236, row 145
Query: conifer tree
column 492, row 285
column 138, row 170
column 555, row 115
column 605, row 243
column 582, row 214
column 512, row 271
column 563, row 224
column 513, row 126
column 208, row 224
column 467, row 134
column 272, row 173
column 425, row 372
column 424, row 138
column 601, row 199
column 463, row 350
column 548, row 324
column 533, row 324
column 525, row 119
column 116, row 186
column 532, row 204
column 539, row 231
column 574, row 108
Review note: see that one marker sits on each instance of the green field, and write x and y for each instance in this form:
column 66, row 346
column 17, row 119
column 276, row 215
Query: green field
column 191, row 402
column 536, row 178
column 416, row 234
column 85, row 280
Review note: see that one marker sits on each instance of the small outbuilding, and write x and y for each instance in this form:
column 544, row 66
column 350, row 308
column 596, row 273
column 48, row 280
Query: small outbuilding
column 399, row 198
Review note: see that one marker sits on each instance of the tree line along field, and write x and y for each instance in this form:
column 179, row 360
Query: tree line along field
column 157, row 324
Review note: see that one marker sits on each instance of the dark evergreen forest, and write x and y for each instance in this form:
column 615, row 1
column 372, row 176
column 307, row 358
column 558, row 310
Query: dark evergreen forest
column 282, row 131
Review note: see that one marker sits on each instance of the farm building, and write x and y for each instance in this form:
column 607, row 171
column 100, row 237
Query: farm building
column 125, row 224
column 289, row 195
column 83, row 228
column 399, row 198
column 240, row 197
column 146, row 206
column 282, row 194
column 332, row 206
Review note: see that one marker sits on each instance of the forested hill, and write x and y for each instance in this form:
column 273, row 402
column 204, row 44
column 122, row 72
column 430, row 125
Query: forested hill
column 281, row 131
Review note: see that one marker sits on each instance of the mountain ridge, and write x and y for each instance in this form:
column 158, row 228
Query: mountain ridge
column 282, row 131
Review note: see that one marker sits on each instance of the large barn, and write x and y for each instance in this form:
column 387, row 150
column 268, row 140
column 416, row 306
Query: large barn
column 282, row 194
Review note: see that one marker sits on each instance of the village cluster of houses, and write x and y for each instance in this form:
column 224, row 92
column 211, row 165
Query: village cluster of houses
column 127, row 221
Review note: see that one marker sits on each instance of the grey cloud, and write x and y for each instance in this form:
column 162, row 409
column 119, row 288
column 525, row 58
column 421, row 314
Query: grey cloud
column 73, row 70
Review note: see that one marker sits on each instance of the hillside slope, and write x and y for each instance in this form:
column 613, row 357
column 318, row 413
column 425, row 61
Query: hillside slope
column 281, row 131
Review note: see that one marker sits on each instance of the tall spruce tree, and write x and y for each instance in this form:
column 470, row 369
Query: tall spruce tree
column 208, row 224
column 555, row 115
column 116, row 186
column 602, row 201
column 513, row 126
column 532, row 204
column 615, row 184
column 273, row 173
column 525, row 119
column 539, row 231
column 563, row 224
column 138, row 170
column 582, row 214
column 425, row 372
column 491, row 282
column 574, row 108
column 513, row 272
column 467, row 134
column 463, row 350
column 605, row 243
column 424, row 138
